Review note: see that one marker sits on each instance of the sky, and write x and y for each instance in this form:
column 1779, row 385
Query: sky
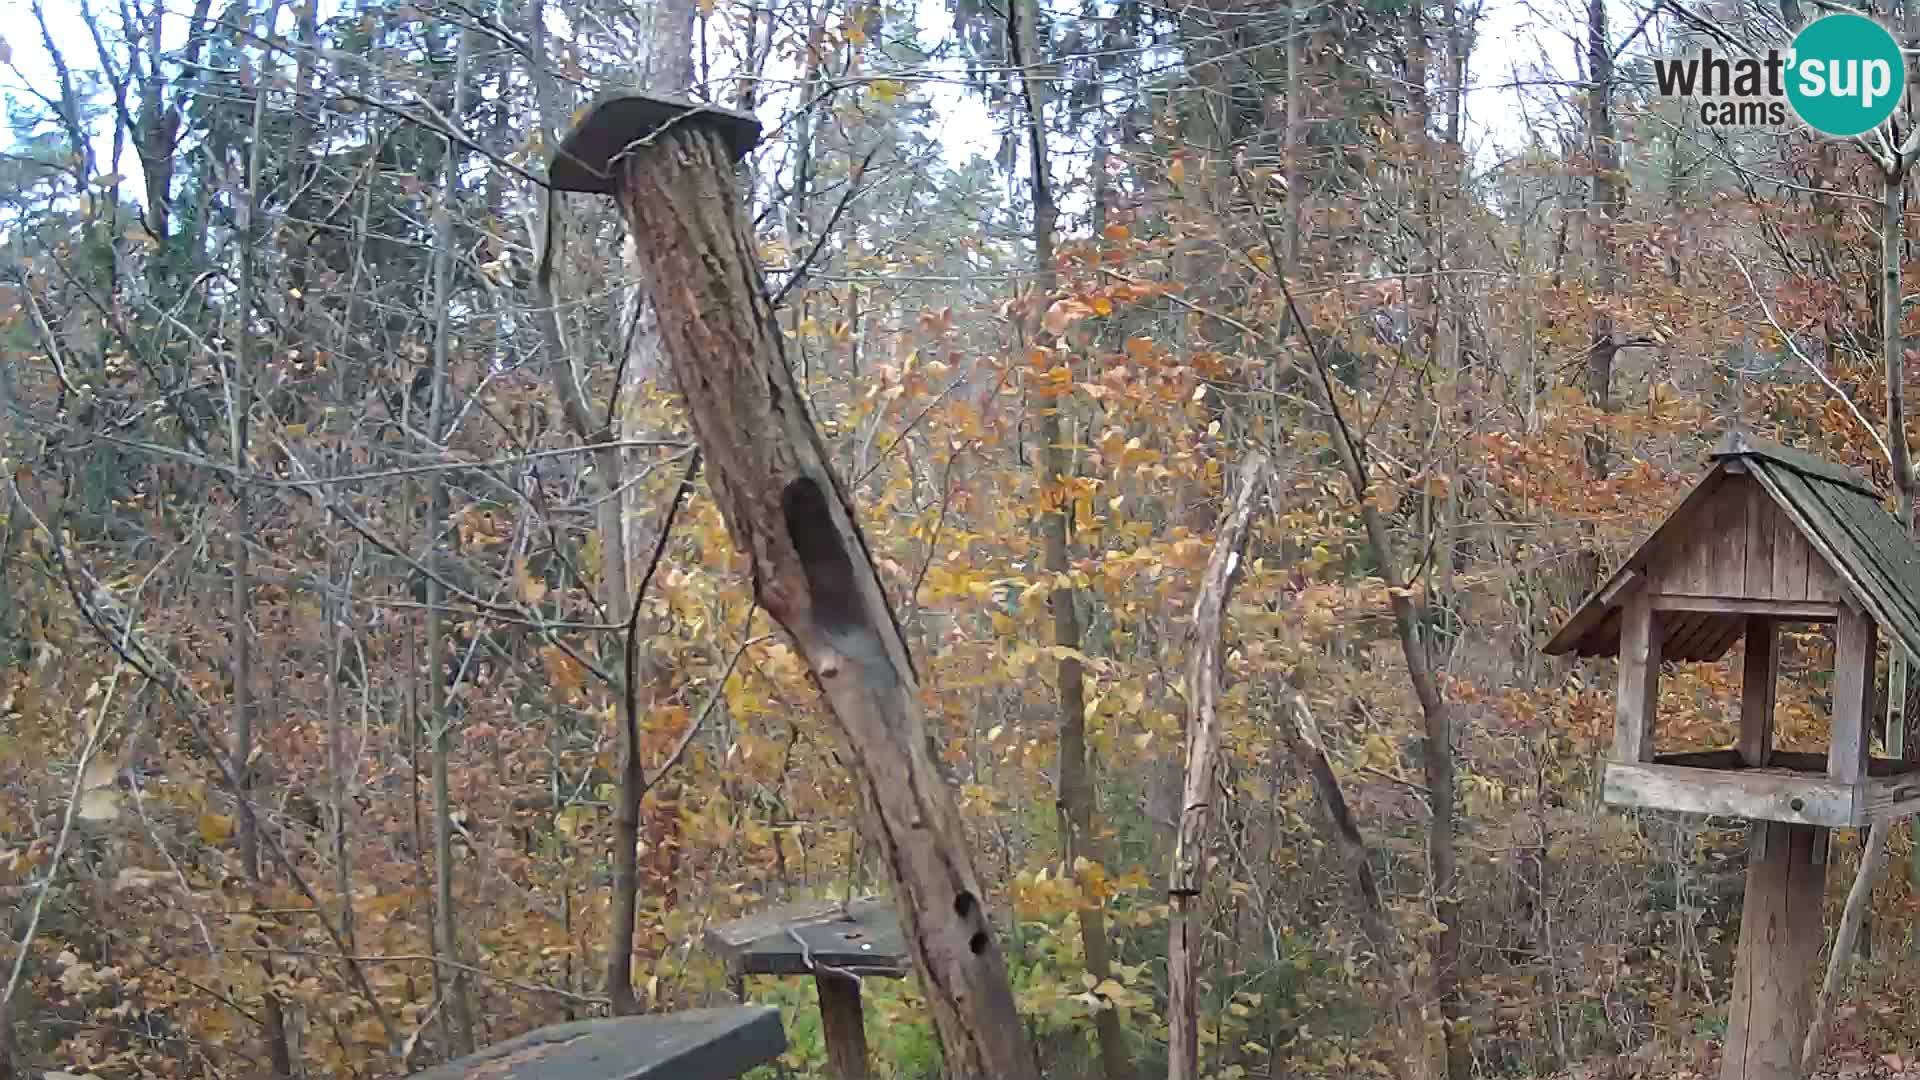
column 1523, row 48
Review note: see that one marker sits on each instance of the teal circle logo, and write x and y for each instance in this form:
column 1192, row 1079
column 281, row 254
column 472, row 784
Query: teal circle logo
column 1847, row 75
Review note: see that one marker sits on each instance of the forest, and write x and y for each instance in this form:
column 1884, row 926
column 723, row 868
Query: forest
column 1234, row 397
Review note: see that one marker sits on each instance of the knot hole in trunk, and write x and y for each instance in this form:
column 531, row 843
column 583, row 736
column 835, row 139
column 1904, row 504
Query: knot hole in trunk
column 834, row 606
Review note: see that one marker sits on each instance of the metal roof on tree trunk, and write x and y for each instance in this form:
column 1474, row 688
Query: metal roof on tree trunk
column 1840, row 515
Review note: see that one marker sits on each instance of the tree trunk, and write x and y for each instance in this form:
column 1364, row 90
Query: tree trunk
column 787, row 510
column 1204, row 675
column 1056, row 464
column 458, row 1006
column 272, row 1015
column 1602, row 210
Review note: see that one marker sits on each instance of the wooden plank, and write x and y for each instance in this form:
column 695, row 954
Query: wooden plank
column 1886, row 562
column 1760, row 519
column 1758, row 682
column 1583, row 632
column 1781, row 932
column 1852, row 681
column 862, row 937
column 1790, row 555
column 1796, row 610
column 697, row 1044
column 1639, row 687
column 1822, row 582
column 1705, row 759
column 1891, row 797
column 1724, row 547
column 1755, row 794
column 1682, row 634
column 843, row 1024
column 1828, row 518
column 1738, row 444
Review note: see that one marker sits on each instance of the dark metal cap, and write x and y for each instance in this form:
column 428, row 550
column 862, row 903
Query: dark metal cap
column 586, row 160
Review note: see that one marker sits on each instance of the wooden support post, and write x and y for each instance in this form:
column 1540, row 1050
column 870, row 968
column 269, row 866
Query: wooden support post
column 1854, row 639
column 1781, row 933
column 1639, row 679
column 844, row 1025
column 1757, row 688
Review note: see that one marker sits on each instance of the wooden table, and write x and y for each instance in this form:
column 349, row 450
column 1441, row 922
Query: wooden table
column 839, row 945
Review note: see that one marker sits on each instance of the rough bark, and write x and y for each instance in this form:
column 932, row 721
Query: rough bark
column 1201, row 787
column 788, row 512
column 1076, row 793
column 452, row 978
column 1603, row 206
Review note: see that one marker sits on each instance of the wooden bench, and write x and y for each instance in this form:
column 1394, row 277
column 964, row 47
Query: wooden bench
column 697, row 1044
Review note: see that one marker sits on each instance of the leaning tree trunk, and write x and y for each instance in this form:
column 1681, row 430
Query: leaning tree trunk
column 1202, row 784
column 787, row 510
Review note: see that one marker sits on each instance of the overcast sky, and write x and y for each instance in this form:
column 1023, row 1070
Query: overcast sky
column 1523, row 49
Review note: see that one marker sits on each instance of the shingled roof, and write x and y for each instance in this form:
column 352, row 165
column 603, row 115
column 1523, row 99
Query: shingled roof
column 1862, row 548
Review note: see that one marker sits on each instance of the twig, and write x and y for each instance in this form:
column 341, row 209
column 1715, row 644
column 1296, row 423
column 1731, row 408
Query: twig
column 1793, row 347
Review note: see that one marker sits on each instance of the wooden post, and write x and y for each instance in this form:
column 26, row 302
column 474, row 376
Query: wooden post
column 1639, row 690
column 671, row 165
column 843, row 1024
column 1757, row 688
column 1854, row 639
column 1780, row 938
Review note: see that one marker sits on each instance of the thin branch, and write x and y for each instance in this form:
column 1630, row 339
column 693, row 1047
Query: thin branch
column 1825, row 379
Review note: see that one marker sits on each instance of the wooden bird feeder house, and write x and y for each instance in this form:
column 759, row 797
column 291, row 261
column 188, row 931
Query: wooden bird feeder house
column 1768, row 536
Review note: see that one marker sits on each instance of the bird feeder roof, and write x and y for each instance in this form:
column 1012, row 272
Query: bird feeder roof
column 1768, row 530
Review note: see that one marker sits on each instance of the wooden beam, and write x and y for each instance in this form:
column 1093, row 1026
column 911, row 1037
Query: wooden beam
column 1780, row 937
column 1754, row 794
column 1853, row 645
column 843, row 1024
column 1639, row 689
column 1801, row 610
column 1890, row 798
column 1759, row 678
column 697, row 1044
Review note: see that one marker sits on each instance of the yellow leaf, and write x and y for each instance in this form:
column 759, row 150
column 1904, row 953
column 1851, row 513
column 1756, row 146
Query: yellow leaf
column 215, row 828
column 100, row 804
column 296, row 431
column 1177, row 172
column 887, row 89
column 531, row 590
